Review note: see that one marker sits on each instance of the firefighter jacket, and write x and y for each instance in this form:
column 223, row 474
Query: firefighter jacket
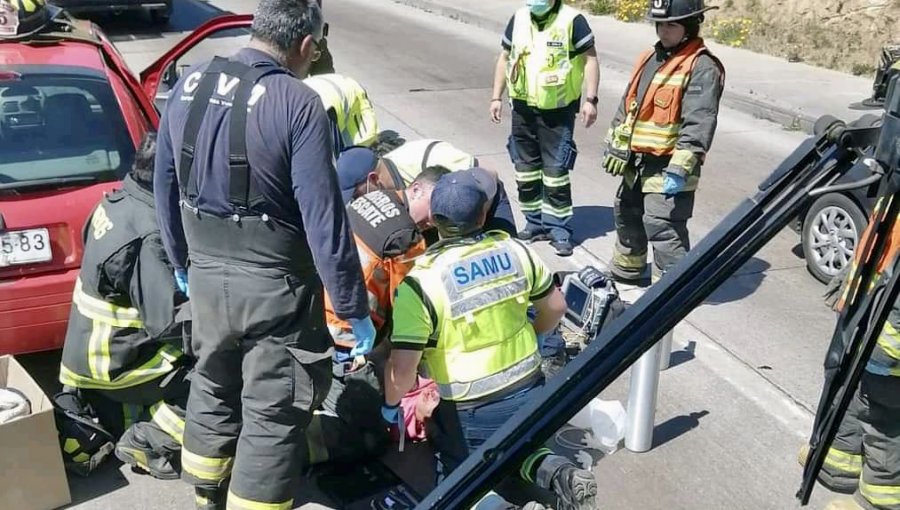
column 388, row 243
column 669, row 113
column 122, row 330
column 541, row 69
column 348, row 106
column 465, row 304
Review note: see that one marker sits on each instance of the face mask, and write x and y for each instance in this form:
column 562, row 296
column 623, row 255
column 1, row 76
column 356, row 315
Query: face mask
column 539, row 7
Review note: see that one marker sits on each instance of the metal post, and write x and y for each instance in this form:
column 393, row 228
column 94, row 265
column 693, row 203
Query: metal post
column 665, row 353
column 642, row 400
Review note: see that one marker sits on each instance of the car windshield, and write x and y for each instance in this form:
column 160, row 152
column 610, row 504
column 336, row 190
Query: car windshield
column 58, row 128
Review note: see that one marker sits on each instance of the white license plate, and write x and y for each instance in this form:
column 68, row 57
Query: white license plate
column 25, row 247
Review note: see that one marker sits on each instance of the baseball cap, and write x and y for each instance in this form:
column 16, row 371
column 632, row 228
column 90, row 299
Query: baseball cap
column 486, row 180
column 353, row 166
column 457, row 203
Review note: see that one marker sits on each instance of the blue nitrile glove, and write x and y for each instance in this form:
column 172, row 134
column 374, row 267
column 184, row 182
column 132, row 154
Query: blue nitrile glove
column 182, row 281
column 390, row 414
column 672, row 184
column 342, row 357
column 364, row 332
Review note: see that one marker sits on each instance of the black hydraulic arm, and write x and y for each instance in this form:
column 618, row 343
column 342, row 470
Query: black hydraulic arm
column 814, row 164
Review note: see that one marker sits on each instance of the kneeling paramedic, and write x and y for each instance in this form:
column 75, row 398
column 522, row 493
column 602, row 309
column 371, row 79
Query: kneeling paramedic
column 360, row 170
column 246, row 189
column 122, row 360
column 462, row 311
column 386, row 226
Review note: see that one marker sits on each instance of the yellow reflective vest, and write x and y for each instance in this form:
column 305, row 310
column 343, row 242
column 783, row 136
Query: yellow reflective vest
column 540, row 69
column 410, row 159
column 352, row 109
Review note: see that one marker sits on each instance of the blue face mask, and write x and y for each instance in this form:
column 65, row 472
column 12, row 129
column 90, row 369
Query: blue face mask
column 539, row 7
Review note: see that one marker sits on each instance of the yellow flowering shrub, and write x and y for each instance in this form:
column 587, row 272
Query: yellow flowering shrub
column 732, row 31
column 631, row 10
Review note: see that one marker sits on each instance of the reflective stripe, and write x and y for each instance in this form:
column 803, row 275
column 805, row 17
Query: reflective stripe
column 98, row 350
column 206, row 468
column 684, row 159
column 97, row 309
column 158, row 365
column 673, row 80
column 487, row 298
column 528, row 176
column 168, row 420
column 556, row 182
column 889, row 340
column 530, row 206
column 880, row 495
column 629, row 261
column 845, row 462
column 559, row 212
column 492, row 383
column 239, row 503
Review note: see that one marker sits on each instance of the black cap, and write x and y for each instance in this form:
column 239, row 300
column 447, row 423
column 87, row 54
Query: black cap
column 675, row 10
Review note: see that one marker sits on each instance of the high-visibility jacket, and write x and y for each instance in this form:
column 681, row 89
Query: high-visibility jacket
column 475, row 292
column 352, row 110
column 541, row 69
column 122, row 330
column 410, row 159
column 653, row 122
column 388, row 243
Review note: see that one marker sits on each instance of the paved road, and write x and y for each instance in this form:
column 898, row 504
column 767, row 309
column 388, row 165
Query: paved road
column 731, row 413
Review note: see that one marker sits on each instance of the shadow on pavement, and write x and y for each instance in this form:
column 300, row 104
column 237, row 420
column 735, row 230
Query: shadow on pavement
column 676, row 427
column 742, row 284
column 682, row 356
column 591, row 222
column 106, row 479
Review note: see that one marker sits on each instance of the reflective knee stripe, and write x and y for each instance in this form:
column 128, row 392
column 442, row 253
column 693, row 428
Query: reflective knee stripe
column 844, row 462
column 168, row 420
column 99, row 310
column 315, row 440
column 528, row 176
column 98, row 350
column 206, row 468
column 556, row 182
column 882, row 496
column 531, row 205
column 559, row 212
column 158, row 365
column 491, row 383
column 239, row 503
column 527, row 468
column 629, row 261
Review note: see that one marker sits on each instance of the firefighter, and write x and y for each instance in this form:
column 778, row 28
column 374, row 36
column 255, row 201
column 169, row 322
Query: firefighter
column 360, row 170
column 463, row 311
column 28, row 16
column 258, row 214
column 386, row 225
column 123, row 353
column 548, row 54
column 350, row 113
column 659, row 138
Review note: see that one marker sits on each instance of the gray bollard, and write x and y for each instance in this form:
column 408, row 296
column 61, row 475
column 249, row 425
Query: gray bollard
column 665, row 354
column 642, row 400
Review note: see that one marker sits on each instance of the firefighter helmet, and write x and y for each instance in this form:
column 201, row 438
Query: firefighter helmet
column 24, row 16
column 674, row 10
column 84, row 442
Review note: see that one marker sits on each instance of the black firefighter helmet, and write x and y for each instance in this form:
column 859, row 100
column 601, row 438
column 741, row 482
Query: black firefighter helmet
column 662, row 11
column 30, row 15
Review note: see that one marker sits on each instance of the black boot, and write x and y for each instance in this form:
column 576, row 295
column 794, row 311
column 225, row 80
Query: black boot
column 575, row 488
column 210, row 499
column 134, row 449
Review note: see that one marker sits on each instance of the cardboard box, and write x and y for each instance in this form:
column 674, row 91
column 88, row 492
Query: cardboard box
column 33, row 476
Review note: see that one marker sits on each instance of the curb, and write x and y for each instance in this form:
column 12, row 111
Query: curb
column 744, row 102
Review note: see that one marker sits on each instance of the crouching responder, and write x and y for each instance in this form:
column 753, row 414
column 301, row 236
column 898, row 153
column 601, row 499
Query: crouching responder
column 350, row 113
column 463, row 312
column 258, row 214
column 123, row 350
column 659, row 138
column 360, row 170
column 386, row 226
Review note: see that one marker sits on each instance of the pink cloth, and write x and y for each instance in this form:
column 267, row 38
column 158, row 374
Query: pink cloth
column 418, row 405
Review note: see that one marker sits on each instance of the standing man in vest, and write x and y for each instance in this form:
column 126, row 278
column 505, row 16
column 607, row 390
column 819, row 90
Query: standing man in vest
column 123, row 350
column 548, row 54
column 659, row 138
column 350, row 113
column 246, row 191
column 463, row 312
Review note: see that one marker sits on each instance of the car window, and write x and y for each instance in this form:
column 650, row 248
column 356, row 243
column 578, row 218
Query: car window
column 57, row 127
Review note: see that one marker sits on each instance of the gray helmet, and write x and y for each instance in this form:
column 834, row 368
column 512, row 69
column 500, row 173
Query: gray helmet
column 674, row 10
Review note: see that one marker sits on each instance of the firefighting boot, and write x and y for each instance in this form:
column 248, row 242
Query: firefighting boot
column 844, row 504
column 575, row 488
column 210, row 499
column 134, row 449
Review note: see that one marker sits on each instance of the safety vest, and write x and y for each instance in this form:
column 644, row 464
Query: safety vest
column 106, row 346
column 388, row 243
column 540, row 69
column 410, row 159
column 353, row 111
column 479, row 292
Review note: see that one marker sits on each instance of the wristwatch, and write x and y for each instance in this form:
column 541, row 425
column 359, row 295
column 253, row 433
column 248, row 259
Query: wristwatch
column 593, row 100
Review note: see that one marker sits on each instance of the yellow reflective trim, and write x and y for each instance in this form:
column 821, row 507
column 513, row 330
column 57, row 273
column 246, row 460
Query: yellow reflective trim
column 556, row 182
column 654, row 128
column 684, row 158
column 29, row 6
column 534, row 205
column 239, row 503
column 629, row 261
column 156, row 366
column 206, row 468
column 530, row 176
column 889, row 340
column 168, row 421
column 843, row 461
column 81, row 457
column 674, row 80
column 71, row 445
column 560, row 212
column 880, row 495
column 97, row 309
column 94, row 352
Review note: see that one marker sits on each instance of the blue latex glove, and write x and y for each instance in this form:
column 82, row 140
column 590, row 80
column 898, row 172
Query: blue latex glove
column 364, row 332
column 390, row 414
column 342, row 357
column 182, row 281
column 672, row 184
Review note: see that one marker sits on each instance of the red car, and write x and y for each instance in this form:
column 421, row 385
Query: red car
column 71, row 116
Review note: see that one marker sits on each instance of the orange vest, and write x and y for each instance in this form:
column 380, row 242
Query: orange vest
column 388, row 243
column 864, row 251
column 656, row 124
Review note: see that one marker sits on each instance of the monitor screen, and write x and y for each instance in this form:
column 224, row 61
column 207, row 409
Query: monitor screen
column 576, row 300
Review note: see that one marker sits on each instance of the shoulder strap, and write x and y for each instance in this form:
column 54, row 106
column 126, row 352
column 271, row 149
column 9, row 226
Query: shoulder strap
column 427, row 153
column 196, row 112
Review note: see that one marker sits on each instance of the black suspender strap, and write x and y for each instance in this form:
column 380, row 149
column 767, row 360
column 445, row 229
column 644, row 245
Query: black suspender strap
column 196, row 112
column 427, row 154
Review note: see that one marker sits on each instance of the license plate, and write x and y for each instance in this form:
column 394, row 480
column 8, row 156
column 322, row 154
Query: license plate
column 25, row 247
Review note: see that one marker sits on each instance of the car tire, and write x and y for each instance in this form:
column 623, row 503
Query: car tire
column 830, row 234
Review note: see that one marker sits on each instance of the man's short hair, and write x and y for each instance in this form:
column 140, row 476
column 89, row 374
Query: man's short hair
column 285, row 23
column 142, row 168
column 431, row 174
